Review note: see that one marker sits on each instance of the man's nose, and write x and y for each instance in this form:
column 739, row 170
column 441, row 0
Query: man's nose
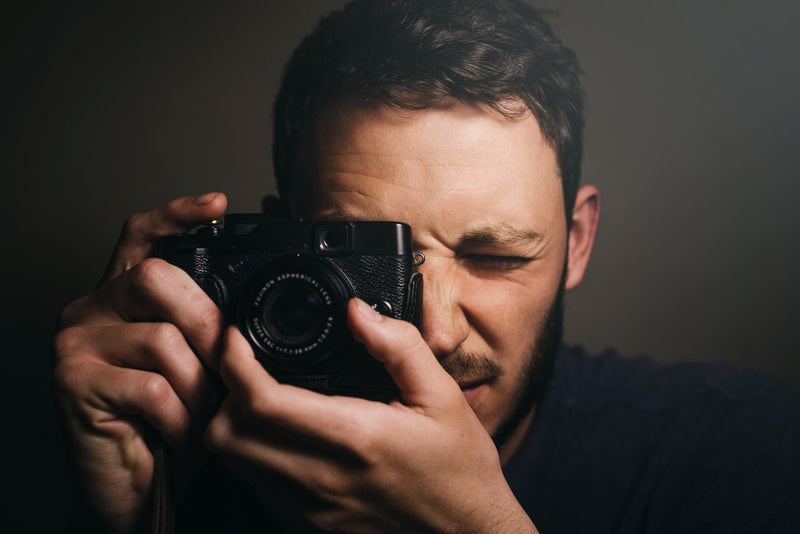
column 444, row 324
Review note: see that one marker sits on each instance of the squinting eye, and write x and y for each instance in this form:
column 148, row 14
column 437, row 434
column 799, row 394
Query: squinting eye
column 498, row 263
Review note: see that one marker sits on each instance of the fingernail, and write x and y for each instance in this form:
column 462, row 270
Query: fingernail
column 208, row 198
column 368, row 311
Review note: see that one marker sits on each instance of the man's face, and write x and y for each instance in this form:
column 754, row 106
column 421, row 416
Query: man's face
column 483, row 197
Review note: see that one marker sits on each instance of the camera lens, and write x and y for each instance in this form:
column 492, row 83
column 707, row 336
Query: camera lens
column 294, row 312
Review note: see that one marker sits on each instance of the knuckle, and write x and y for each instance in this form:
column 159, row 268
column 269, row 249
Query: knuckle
column 172, row 209
column 70, row 377
column 67, row 342
column 134, row 226
column 262, row 407
column 419, row 344
column 166, row 336
column 159, row 401
column 402, row 336
column 366, row 447
column 217, row 434
column 157, row 390
column 409, row 331
column 72, row 312
column 151, row 273
column 207, row 326
column 258, row 406
column 210, row 317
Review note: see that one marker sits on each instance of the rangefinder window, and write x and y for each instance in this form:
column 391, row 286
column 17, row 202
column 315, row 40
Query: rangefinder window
column 333, row 239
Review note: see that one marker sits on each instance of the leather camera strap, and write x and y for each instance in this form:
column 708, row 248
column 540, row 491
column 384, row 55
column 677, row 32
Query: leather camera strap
column 163, row 521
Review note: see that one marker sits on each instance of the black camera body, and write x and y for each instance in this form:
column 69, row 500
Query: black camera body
column 286, row 285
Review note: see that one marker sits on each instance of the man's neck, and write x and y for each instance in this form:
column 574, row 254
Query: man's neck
column 510, row 446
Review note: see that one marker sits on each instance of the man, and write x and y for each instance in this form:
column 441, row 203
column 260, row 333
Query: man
column 462, row 119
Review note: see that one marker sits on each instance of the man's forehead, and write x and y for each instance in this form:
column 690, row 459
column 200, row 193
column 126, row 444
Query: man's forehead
column 368, row 161
column 451, row 133
column 352, row 112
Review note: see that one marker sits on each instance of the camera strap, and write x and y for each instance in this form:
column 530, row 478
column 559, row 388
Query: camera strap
column 163, row 521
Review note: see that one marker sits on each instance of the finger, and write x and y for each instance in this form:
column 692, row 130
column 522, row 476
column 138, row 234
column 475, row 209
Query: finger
column 408, row 359
column 157, row 347
column 104, row 396
column 247, row 444
column 155, row 290
column 142, row 231
column 335, row 421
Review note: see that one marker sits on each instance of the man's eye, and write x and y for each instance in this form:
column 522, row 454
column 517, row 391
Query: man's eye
column 495, row 262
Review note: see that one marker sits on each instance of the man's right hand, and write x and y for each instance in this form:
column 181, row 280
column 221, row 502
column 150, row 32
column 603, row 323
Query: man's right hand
column 128, row 363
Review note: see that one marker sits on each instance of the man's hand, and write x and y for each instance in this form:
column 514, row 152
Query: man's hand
column 420, row 464
column 128, row 359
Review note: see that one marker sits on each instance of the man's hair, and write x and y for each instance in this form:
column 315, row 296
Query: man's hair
column 412, row 54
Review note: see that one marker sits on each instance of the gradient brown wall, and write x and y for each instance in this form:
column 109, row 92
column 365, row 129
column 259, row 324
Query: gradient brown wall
column 691, row 137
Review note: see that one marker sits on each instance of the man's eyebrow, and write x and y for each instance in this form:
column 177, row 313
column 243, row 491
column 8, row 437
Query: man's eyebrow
column 501, row 234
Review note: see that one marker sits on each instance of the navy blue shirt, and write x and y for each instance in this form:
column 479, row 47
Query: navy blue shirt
column 630, row 446
column 621, row 445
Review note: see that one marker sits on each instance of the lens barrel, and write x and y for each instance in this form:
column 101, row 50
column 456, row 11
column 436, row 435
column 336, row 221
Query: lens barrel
column 294, row 312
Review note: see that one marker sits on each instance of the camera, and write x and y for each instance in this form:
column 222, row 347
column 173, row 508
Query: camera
column 286, row 284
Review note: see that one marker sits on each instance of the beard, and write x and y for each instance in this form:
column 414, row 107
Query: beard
column 537, row 374
column 535, row 377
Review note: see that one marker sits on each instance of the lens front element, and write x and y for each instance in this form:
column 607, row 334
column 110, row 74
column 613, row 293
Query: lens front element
column 295, row 313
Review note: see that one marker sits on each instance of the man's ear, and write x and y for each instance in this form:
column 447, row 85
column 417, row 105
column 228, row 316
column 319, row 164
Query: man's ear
column 581, row 233
column 272, row 206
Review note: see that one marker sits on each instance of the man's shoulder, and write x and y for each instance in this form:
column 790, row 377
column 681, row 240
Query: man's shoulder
column 596, row 381
column 660, row 448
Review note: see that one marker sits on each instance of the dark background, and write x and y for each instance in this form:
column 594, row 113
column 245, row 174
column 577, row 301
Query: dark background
column 691, row 137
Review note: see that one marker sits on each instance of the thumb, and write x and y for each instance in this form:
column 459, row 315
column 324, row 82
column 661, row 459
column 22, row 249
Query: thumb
column 408, row 359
